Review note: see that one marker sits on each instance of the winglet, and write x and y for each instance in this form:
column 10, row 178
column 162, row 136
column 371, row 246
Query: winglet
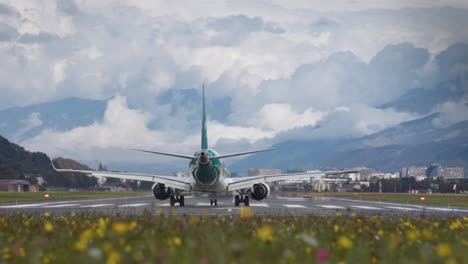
column 53, row 166
column 204, row 139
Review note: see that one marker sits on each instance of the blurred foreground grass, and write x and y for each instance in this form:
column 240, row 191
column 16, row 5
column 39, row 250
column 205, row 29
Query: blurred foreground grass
column 448, row 199
column 11, row 197
column 244, row 238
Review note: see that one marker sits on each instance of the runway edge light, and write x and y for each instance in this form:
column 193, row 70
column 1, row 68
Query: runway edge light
column 46, row 195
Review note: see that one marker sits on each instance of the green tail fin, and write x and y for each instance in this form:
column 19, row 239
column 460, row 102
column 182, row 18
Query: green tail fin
column 204, row 139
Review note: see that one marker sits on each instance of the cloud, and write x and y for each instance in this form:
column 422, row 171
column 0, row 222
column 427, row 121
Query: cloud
column 35, row 38
column 355, row 120
column 34, row 120
column 271, row 68
column 451, row 113
column 121, row 128
column 281, row 117
column 7, row 32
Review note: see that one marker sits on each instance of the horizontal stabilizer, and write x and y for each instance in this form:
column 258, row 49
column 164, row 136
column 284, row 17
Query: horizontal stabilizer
column 239, row 154
column 167, row 154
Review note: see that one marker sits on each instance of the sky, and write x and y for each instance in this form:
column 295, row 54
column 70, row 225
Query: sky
column 271, row 68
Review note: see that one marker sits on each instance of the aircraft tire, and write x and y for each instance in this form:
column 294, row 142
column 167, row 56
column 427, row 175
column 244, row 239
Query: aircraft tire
column 236, row 200
column 181, row 200
column 246, row 201
column 172, row 200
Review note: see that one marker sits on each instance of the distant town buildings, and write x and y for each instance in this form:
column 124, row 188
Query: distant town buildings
column 434, row 171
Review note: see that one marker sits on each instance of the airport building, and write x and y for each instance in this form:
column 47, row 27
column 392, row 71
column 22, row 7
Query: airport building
column 416, row 172
column 15, row 186
column 453, row 173
column 433, row 171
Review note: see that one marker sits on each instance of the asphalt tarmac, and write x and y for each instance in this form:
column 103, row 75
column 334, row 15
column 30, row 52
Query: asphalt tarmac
column 200, row 205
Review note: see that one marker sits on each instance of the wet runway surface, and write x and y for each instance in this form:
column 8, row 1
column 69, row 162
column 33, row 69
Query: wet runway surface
column 274, row 206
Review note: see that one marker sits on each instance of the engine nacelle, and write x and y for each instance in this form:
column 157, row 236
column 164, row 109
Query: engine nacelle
column 260, row 191
column 161, row 192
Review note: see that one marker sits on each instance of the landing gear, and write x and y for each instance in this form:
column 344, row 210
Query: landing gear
column 173, row 199
column 241, row 199
column 213, row 200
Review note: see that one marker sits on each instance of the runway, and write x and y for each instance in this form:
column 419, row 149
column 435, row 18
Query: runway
column 272, row 206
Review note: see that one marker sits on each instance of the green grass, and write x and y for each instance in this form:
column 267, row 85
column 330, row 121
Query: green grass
column 93, row 238
column 447, row 199
column 8, row 197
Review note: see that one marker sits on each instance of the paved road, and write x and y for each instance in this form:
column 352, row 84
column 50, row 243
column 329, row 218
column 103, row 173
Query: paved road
column 275, row 205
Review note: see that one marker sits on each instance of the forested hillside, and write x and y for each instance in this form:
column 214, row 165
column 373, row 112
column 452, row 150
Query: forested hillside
column 18, row 163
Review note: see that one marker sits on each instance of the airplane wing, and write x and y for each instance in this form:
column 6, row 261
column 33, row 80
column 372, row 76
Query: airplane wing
column 237, row 183
column 180, row 183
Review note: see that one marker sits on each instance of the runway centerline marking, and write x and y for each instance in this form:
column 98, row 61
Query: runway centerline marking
column 367, row 207
column 59, row 205
column 443, row 209
column 95, row 205
column 403, row 208
column 260, row 205
column 22, row 205
column 133, row 205
column 330, row 206
column 294, row 206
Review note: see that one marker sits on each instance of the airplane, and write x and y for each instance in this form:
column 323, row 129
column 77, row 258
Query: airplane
column 208, row 175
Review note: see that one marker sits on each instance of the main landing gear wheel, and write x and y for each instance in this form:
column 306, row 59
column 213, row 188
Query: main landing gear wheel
column 241, row 199
column 213, row 202
column 173, row 199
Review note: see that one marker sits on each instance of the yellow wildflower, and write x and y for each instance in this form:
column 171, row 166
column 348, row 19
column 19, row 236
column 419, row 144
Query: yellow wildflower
column 193, row 220
column 413, row 235
column 443, row 250
column 456, row 225
column 114, row 258
column 119, row 227
column 451, row 261
column 177, row 241
column 48, row 227
column 265, row 233
column 82, row 243
column 428, row 235
column 128, row 248
column 102, row 226
column 336, row 228
column 345, row 242
column 132, row 225
column 245, row 212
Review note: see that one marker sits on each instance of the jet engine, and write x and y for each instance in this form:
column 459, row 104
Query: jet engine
column 260, row 191
column 161, row 192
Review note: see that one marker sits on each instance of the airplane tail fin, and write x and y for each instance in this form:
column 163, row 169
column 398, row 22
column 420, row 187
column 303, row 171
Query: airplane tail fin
column 204, row 136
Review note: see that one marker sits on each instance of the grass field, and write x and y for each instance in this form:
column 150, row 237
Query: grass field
column 6, row 197
column 435, row 198
column 244, row 238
